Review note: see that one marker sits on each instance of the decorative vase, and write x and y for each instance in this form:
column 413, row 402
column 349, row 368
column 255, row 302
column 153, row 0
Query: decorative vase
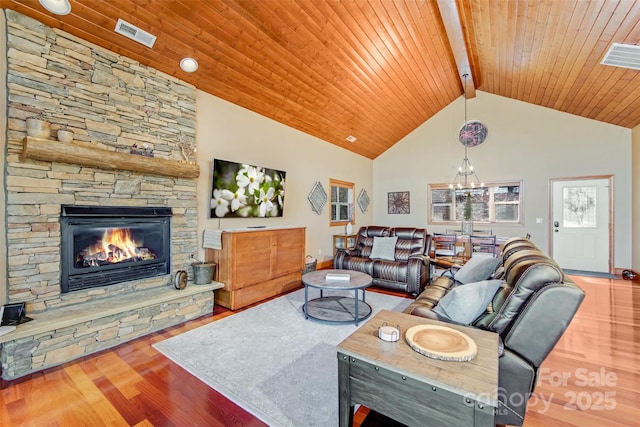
column 38, row 128
column 348, row 228
column 65, row 135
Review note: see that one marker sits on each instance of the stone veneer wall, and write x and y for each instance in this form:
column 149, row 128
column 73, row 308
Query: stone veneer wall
column 110, row 101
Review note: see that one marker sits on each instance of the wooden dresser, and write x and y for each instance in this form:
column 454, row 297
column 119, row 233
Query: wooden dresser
column 255, row 264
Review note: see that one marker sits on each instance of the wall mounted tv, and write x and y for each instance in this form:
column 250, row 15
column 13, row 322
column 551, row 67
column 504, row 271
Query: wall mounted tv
column 240, row 190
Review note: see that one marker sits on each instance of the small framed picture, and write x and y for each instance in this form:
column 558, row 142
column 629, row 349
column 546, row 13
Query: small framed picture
column 398, row 202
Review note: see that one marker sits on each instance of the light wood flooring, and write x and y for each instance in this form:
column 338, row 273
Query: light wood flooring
column 591, row 378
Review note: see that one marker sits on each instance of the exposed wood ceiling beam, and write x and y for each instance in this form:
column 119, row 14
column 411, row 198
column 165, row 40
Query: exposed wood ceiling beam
column 453, row 26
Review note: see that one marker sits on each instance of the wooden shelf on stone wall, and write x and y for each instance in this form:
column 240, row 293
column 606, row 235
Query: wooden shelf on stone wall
column 84, row 154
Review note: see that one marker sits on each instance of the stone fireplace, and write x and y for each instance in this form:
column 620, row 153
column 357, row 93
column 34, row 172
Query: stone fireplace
column 112, row 104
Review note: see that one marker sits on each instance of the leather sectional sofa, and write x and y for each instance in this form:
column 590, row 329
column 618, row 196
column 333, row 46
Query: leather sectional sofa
column 406, row 268
column 530, row 311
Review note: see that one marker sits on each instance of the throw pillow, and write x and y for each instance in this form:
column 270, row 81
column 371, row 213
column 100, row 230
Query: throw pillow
column 479, row 267
column 384, row 248
column 465, row 303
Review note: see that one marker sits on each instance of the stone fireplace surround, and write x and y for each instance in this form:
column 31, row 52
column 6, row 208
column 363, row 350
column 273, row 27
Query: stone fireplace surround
column 110, row 102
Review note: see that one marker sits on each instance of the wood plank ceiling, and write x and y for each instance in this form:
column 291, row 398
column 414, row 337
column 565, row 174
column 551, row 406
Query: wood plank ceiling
column 375, row 69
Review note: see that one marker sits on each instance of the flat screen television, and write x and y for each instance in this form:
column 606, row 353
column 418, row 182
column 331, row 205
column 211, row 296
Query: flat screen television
column 240, row 190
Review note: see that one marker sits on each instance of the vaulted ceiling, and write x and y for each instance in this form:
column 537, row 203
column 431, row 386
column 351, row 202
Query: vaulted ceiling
column 376, row 69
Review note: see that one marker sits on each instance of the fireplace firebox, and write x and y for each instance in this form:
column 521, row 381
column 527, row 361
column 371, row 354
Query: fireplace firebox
column 102, row 246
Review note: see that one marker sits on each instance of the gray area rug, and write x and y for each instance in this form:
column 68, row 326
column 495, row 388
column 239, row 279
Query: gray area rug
column 271, row 361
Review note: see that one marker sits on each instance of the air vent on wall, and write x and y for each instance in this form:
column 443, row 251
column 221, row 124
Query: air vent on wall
column 135, row 33
column 623, row 55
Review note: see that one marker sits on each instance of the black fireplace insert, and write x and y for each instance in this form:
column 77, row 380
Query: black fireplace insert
column 102, row 246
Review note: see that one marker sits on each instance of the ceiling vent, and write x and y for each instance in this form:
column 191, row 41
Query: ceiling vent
column 135, row 33
column 623, row 55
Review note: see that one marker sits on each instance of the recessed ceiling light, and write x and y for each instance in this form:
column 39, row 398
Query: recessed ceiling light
column 189, row 65
column 351, row 138
column 59, row 7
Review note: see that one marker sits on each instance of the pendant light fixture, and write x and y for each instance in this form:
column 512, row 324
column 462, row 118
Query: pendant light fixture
column 467, row 177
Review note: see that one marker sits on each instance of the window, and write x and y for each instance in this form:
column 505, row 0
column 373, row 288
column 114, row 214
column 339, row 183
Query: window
column 342, row 202
column 494, row 203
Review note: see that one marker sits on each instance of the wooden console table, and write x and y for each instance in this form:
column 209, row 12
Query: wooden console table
column 396, row 381
column 256, row 264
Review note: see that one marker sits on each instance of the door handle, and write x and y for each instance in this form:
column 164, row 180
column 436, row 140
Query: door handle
column 556, row 224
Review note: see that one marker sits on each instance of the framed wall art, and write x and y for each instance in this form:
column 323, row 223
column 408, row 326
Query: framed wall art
column 398, row 202
column 317, row 197
column 363, row 200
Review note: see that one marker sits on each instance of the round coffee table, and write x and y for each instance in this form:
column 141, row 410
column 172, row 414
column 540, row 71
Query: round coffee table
column 336, row 309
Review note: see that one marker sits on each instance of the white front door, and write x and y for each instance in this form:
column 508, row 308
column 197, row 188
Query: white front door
column 581, row 224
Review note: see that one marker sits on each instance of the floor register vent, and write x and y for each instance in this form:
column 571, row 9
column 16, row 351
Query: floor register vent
column 135, row 33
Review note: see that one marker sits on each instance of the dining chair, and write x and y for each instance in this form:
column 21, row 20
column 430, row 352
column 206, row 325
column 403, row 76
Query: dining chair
column 483, row 243
column 444, row 245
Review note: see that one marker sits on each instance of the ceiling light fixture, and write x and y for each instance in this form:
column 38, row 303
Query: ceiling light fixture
column 58, row 7
column 466, row 176
column 352, row 138
column 189, row 65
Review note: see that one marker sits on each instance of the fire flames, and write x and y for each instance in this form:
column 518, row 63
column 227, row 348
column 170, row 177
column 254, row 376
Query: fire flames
column 117, row 245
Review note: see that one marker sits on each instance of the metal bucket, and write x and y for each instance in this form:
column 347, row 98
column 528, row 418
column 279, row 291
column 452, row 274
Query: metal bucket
column 203, row 272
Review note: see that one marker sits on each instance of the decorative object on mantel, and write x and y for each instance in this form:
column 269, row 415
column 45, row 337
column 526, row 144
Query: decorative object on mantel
column 187, row 148
column 144, row 151
column 470, row 135
column 38, row 127
column 317, row 197
column 348, row 228
column 64, row 134
column 441, row 342
column 398, row 202
column 363, row 200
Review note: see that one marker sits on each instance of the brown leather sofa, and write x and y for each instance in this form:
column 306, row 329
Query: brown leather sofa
column 408, row 271
column 530, row 312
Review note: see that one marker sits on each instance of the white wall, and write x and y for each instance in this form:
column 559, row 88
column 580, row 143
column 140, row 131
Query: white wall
column 229, row 132
column 525, row 142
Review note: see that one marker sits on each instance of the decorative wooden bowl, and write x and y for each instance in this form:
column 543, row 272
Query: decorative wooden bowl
column 441, row 342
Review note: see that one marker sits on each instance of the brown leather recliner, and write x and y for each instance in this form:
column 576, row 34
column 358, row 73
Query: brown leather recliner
column 530, row 313
column 408, row 272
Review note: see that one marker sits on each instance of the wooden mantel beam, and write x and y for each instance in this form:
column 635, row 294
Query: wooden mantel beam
column 84, row 154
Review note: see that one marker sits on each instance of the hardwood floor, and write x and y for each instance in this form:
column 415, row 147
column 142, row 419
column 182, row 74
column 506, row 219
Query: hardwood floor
column 591, row 378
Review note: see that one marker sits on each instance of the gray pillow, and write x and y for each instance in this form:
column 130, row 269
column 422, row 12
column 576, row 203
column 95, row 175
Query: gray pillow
column 384, row 248
column 479, row 267
column 464, row 303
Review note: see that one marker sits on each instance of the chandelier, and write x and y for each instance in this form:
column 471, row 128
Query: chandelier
column 466, row 177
